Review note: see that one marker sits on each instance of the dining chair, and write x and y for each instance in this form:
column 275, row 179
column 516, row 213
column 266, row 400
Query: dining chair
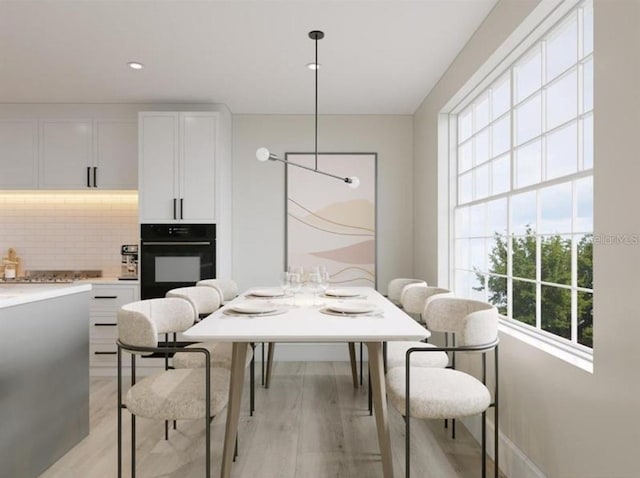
column 204, row 301
column 227, row 288
column 185, row 394
column 397, row 285
column 416, row 299
column 441, row 393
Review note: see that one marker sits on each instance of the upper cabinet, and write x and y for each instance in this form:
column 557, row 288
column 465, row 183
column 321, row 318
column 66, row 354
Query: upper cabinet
column 18, row 154
column 67, row 153
column 79, row 154
column 177, row 166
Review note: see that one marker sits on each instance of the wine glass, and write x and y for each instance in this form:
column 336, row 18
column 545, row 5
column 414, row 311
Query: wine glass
column 285, row 282
column 314, row 284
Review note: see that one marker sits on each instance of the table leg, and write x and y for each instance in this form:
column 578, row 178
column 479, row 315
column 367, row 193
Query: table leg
column 238, row 360
column 354, row 364
column 380, row 405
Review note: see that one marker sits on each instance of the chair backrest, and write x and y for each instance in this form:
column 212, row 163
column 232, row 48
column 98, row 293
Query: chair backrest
column 474, row 322
column 204, row 300
column 139, row 323
column 414, row 296
column 395, row 287
column 227, row 288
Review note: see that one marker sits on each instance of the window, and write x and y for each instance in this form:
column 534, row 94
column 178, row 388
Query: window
column 523, row 212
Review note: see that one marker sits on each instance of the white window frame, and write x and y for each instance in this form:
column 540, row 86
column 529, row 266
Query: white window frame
column 499, row 64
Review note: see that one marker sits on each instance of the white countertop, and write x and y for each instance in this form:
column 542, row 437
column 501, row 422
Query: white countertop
column 107, row 281
column 307, row 324
column 18, row 294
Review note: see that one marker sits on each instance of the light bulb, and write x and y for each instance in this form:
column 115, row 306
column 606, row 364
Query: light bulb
column 354, row 183
column 262, row 154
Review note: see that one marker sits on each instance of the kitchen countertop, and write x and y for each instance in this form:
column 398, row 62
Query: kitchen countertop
column 107, row 281
column 18, row 294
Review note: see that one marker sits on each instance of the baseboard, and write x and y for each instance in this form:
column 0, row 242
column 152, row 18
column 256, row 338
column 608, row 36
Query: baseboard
column 513, row 462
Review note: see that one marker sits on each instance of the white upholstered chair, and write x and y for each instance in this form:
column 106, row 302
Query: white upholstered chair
column 416, row 299
column 397, row 285
column 227, row 288
column 204, row 301
column 436, row 393
column 186, row 394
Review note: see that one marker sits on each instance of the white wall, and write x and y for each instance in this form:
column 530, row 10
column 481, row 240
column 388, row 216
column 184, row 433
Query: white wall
column 259, row 188
column 568, row 422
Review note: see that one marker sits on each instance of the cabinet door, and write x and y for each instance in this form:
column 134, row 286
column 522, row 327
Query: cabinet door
column 18, row 154
column 66, row 151
column 158, row 163
column 116, row 155
column 197, row 166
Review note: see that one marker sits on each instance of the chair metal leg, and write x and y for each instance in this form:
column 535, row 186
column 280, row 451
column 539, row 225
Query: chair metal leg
column 484, row 444
column 496, row 438
column 133, row 421
column 207, row 414
column 235, row 451
column 119, row 412
column 407, row 422
column 384, row 356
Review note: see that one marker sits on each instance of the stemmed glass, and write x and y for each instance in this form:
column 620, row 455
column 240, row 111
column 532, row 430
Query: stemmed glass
column 315, row 285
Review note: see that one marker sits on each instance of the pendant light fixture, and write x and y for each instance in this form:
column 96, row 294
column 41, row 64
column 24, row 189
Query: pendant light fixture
column 263, row 154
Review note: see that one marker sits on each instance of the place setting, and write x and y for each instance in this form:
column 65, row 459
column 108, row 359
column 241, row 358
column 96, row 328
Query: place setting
column 342, row 293
column 254, row 308
column 353, row 308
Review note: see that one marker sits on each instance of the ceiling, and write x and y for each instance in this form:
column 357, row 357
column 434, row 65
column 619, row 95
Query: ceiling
column 378, row 57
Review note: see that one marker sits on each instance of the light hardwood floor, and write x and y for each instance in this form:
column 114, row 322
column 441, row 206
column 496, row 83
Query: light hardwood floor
column 310, row 423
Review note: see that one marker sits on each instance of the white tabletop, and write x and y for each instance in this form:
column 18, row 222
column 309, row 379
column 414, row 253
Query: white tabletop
column 305, row 323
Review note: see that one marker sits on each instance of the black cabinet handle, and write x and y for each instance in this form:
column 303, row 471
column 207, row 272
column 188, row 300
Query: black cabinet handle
column 105, row 353
column 95, row 176
column 105, row 296
column 104, row 324
column 181, row 208
column 174, row 208
column 88, row 177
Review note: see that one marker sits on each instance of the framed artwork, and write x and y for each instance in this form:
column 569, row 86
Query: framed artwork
column 328, row 223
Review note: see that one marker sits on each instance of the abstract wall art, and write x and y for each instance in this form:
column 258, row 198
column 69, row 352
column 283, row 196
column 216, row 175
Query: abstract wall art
column 330, row 224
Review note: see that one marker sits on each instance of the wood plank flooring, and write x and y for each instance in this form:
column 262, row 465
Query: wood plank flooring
column 311, row 423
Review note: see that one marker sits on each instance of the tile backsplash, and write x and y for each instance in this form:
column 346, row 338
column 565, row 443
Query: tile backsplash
column 68, row 230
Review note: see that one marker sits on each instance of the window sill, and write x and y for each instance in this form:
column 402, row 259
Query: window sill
column 565, row 352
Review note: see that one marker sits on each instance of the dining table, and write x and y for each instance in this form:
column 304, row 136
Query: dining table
column 360, row 314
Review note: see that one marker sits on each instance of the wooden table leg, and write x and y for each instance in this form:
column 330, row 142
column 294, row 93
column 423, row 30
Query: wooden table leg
column 238, row 361
column 354, row 365
column 272, row 348
column 379, row 393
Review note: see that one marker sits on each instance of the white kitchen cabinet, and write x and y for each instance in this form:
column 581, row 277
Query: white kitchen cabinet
column 105, row 301
column 116, row 154
column 86, row 153
column 66, row 153
column 177, row 166
column 18, row 154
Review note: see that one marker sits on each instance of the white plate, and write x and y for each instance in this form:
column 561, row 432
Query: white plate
column 275, row 292
column 353, row 307
column 341, row 293
column 253, row 307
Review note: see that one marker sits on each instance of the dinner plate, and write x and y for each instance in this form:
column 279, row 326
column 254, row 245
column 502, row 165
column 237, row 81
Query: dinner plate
column 274, row 292
column 353, row 307
column 341, row 293
column 253, row 307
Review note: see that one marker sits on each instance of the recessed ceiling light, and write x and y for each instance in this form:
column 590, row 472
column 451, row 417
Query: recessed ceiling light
column 135, row 65
column 314, row 66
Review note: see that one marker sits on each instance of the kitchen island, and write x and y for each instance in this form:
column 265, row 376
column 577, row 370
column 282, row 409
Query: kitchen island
column 44, row 374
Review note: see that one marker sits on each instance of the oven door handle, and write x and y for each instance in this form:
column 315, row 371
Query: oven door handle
column 183, row 243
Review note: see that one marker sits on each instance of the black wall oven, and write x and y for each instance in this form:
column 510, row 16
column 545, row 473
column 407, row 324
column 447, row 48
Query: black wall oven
column 175, row 255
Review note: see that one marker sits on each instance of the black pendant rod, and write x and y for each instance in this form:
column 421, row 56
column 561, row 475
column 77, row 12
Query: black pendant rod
column 316, row 35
